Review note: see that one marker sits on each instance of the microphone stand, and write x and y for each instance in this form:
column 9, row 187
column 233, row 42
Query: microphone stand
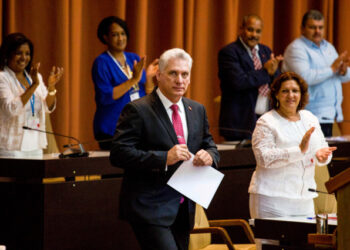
column 71, row 152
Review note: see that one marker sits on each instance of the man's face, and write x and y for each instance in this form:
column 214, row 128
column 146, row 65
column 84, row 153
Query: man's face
column 251, row 32
column 314, row 30
column 174, row 79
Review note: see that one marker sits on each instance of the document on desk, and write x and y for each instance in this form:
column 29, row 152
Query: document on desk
column 196, row 183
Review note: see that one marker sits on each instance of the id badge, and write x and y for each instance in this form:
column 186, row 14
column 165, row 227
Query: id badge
column 134, row 95
column 33, row 122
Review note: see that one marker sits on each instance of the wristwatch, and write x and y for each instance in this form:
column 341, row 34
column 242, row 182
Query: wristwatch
column 53, row 92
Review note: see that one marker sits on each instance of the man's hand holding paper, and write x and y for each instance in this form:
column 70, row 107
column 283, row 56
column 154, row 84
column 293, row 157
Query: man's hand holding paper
column 197, row 183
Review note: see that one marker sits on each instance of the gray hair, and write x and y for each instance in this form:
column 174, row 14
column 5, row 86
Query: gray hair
column 311, row 14
column 171, row 54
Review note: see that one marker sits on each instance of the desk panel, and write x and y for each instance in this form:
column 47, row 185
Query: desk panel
column 291, row 233
column 84, row 215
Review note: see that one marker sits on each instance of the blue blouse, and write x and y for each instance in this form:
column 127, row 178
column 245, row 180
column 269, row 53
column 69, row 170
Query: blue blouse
column 106, row 74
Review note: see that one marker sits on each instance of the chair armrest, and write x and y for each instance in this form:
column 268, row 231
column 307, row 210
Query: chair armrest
column 216, row 230
column 235, row 222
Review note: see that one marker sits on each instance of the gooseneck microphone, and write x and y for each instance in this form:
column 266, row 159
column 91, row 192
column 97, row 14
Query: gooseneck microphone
column 74, row 152
column 317, row 191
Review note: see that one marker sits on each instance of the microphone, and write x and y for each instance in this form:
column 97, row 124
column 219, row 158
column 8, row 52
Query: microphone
column 317, row 191
column 71, row 152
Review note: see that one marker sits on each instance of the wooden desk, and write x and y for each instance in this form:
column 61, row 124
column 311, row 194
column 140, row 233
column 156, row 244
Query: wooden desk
column 291, row 232
column 72, row 214
column 61, row 215
column 84, row 214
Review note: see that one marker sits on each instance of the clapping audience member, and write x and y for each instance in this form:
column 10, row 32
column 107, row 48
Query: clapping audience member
column 24, row 98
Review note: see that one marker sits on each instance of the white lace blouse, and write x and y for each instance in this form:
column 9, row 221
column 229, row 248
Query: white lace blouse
column 282, row 170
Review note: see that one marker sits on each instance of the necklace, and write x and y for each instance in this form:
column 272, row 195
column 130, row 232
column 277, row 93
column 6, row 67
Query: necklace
column 124, row 68
column 122, row 65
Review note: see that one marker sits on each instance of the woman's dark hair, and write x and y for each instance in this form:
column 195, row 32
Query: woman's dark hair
column 276, row 86
column 9, row 46
column 103, row 27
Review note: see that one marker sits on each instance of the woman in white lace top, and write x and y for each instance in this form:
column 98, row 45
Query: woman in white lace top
column 287, row 144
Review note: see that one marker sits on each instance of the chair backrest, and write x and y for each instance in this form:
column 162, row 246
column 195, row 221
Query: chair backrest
column 198, row 241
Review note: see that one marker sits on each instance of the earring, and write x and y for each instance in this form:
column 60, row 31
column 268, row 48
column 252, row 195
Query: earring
column 277, row 103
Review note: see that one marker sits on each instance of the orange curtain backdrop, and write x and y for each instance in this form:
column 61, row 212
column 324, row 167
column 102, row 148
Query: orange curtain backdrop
column 64, row 34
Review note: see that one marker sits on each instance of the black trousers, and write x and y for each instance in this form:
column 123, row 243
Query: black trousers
column 155, row 237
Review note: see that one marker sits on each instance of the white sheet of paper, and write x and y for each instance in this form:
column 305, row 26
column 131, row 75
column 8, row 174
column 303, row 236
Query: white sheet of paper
column 196, row 183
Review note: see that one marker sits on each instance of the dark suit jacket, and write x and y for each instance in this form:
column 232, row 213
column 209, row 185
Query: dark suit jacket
column 239, row 88
column 143, row 136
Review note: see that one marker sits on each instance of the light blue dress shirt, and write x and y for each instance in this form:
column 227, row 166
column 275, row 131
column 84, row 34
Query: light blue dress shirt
column 313, row 63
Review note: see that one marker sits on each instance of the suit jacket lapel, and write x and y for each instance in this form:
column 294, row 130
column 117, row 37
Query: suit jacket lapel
column 263, row 57
column 244, row 55
column 158, row 107
column 190, row 121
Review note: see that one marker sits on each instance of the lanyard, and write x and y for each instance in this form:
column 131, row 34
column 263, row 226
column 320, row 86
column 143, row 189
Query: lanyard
column 126, row 72
column 32, row 99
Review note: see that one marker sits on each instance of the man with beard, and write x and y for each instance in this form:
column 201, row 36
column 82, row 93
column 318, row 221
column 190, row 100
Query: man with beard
column 246, row 68
column 317, row 61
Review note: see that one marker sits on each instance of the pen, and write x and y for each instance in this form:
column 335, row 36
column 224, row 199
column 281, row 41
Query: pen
column 330, row 218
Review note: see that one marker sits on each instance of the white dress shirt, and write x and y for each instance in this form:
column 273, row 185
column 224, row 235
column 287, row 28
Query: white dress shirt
column 167, row 105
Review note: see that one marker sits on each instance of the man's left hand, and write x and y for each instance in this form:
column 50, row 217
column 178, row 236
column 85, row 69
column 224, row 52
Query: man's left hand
column 202, row 158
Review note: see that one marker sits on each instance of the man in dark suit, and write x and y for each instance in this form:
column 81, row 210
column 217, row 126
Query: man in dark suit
column 246, row 68
column 152, row 139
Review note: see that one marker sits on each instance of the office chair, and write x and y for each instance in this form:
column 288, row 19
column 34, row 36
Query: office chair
column 200, row 237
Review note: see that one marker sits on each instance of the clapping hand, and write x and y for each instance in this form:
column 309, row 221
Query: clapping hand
column 152, row 68
column 323, row 153
column 151, row 75
column 137, row 71
column 304, row 144
column 54, row 77
column 337, row 64
column 272, row 65
column 344, row 66
column 34, row 74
